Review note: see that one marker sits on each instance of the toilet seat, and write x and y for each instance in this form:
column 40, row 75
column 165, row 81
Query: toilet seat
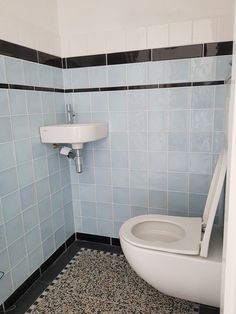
column 181, row 235
column 173, row 234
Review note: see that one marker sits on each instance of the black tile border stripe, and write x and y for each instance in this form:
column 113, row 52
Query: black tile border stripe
column 146, row 55
column 97, row 238
column 112, row 88
column 37, row 273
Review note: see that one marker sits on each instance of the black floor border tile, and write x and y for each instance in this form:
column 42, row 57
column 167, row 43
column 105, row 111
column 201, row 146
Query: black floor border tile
column 52, row 258
column 93, row 238
column 206, row 309
column 70, row 241
column 21, row 290
column 37, row 273
column 115, row 241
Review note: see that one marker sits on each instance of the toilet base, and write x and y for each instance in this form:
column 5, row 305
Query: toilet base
column 187, row 277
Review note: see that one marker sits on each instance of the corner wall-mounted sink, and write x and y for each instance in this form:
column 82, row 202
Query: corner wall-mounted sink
column 76, row 134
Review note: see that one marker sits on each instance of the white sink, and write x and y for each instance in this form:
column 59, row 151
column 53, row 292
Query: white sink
column 75, row 134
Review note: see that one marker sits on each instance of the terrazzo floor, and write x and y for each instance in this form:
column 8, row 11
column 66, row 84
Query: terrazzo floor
column 97, row 282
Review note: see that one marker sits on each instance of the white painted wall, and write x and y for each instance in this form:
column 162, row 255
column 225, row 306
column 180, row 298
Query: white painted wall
column 90, row 27
column 31, row 23
column 228, row 302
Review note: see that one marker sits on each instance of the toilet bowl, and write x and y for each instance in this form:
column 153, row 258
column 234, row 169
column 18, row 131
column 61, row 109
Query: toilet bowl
column 179, row 256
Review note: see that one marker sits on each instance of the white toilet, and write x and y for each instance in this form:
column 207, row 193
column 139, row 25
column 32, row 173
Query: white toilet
column 173, row 253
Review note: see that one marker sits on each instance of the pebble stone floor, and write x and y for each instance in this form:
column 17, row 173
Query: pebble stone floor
column 96, row 282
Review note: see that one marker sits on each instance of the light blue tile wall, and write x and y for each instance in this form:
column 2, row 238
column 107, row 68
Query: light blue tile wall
column 158, row 158
column 162, row 145
column 36, row 214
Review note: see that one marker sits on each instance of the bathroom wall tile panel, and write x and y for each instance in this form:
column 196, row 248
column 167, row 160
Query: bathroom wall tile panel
column 48, row 247
column 137, row 100
column 117, row 75
column 25, row 174
column 6, row 282
column 89, row 225
column 31, row 73
column 14, row 229
column 200, row 163
column 136, row 73
column 30, row 218
column 178, row 141
column 4, row 103
column 28, row 196
column 34, row 102
column 156, row 72
column 119, row 159
column 11, row 206
column 32, row 239
column 223, row 67
column 138, row 141
column 203, row 69
column 5, row 129
column 79, row 77
column 197, row 204
column 158, row 199
column 178, row 182
column 98, row 76
column 138, row 160
column 17, row 100
column 121, row 212
column 104, row 210
column 120, row 178
column 199, row 183
column 2, row 70
column 14, row 71
column 7, row 159
column 177, row 71
column 201, row 141
column 180, row 98
column 45, row 76
column 20, row 127
column 35, row 259
column 8, row 181
column 5, row 267
column 219, row 141
column 2, row 238
column 17, row 252
column 158, row 99
column 103, row 194
column 117, row 101
column 202, row 120
column 105, row 227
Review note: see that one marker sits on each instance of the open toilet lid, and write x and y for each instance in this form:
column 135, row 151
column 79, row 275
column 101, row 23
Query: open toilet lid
column 212, row 201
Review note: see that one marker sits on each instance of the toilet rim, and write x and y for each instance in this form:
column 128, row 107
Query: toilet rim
column 188, row 244
column 197, row 239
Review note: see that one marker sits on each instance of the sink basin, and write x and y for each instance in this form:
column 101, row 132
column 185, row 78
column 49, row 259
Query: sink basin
column 75, row 134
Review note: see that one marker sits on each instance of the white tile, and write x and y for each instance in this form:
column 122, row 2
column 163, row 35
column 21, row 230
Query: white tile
column 157, row 36
column 78, row 45
column 97, row 43
column 116, row 41
column 136, row 38
column 204, row 31
column 225, row 27
column 180, row 33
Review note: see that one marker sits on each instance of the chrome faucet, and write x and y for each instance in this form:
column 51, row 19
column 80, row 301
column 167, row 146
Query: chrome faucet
column 70, row 114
